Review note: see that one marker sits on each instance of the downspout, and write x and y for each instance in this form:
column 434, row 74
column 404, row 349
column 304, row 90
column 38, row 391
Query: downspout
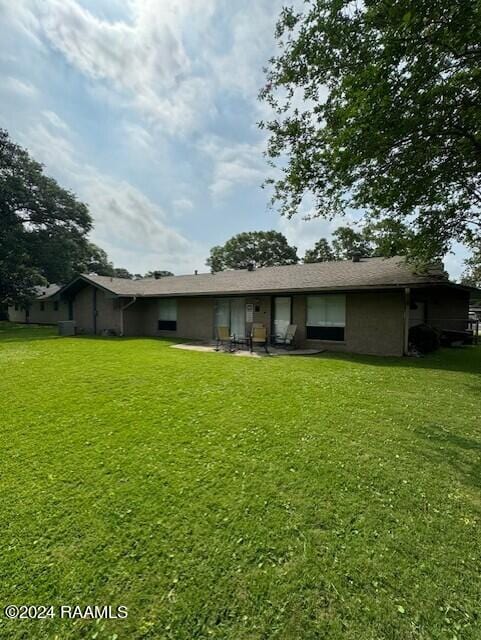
column 407, row 306
column 122, row 309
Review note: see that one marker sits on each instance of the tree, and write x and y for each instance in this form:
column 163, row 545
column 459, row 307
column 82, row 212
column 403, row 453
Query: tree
column 259, row 248
column 378, row 106
column 43, row 227
column 472, row 273
column 94, row 260
column 389, row 238
column 119, row 272
column 321, row 252
column 158, row 274
column 347, row 242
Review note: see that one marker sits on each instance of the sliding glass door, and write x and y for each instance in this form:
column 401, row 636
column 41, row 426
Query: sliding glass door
column 238, row 317
column 282, row 315
column 230, row 313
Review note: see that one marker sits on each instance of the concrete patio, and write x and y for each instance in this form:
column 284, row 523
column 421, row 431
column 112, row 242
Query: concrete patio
column 207, row 347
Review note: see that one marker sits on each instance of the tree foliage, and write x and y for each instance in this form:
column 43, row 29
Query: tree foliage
column 94, row 260
column 385, row 238
column 472, row 273
column 259, row 248
column 159, row 273
column 378, row 106
column 120, row 272
column 321, row 252
column 388, row 238
column 43, row 229
column 42, row 226
column 346, row 242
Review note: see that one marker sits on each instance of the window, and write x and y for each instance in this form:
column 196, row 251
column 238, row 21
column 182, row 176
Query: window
column 326, row 317
column 42, row 306
column 55, row 306
column 167, row 314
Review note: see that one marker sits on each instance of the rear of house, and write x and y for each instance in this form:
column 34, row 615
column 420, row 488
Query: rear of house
column 46, row 308
column 363, row 306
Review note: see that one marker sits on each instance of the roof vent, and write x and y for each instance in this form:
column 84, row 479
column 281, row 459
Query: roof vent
column 251, row 266
column 195, row 272
column 356, row 256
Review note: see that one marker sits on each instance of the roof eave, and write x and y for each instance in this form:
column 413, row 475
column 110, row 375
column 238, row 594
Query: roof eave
column 292, row 290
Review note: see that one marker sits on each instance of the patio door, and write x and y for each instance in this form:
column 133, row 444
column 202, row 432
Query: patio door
column 238, row 317
column 282, row 315
column 230, row 312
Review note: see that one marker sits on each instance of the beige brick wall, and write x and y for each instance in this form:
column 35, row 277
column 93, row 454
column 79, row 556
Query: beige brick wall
column 374, row 324
column 374, row 321
column 108, row 311
column 195, row 319
column 16, row 315
column 36, row 316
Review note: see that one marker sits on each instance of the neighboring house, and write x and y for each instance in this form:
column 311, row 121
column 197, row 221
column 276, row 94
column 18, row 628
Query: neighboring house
column 363, row 306
column 47, row 308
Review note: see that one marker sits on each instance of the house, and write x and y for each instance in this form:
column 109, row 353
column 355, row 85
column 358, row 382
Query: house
column 362, row 306
column 46, row 308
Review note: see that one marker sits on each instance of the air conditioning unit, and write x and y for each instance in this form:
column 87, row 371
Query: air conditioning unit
column 66, row 328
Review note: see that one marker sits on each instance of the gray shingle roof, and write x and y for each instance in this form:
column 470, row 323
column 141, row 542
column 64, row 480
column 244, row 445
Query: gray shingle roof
column 43, row 293
column 368, row 273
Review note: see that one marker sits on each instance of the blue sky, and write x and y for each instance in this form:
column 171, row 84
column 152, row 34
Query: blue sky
column 147, row 109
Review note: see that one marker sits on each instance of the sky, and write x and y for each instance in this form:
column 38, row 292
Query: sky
column 148, row 111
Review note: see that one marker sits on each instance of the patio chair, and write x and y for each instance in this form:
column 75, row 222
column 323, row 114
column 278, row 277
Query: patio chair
column 287, row 340
column 259, row 336
column 223, row 338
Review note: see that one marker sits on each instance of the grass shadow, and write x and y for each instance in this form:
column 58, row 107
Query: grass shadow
column 463, row 359
column 461, row 451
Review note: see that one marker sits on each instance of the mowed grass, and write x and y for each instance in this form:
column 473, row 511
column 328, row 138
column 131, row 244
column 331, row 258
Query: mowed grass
column 234, row 498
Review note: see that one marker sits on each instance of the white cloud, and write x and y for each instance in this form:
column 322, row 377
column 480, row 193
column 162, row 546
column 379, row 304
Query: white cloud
column 454, row 262
column 138, row 136
column 21, row 87
column 304, row 234
column 55, row 120
column 183, row 205
column 233, row 164
column 145, row 59
column 134, row 229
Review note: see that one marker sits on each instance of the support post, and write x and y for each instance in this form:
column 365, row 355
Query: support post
column 407, row 305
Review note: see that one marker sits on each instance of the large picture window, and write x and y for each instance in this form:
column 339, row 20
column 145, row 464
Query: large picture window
column 326, row 317
column 167, row 314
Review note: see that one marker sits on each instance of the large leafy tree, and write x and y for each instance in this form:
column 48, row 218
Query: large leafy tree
column 259, row 248
column 389, row 238
column 159, row 273
column 472, row 273
column 120, row 272
column 346, row 242
column 42, row 226
column 378, row 106
column 385, row 238
column 321, row 252
column 93, row 259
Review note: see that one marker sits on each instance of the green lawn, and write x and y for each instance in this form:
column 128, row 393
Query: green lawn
column 233, row 498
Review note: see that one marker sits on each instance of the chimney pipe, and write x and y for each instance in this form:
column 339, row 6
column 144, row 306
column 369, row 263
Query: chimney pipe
column 195, row 272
